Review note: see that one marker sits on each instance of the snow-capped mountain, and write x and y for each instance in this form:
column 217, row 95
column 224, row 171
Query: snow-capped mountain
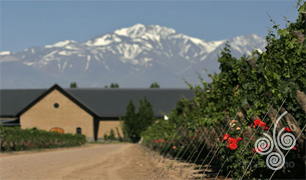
column 134, row 56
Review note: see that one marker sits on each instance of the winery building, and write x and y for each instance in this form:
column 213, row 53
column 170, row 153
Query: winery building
column 92, row 112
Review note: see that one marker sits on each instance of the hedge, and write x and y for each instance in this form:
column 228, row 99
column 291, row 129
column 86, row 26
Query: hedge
column 17, row 139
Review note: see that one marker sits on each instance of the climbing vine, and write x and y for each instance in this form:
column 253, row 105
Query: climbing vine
column 246, row 91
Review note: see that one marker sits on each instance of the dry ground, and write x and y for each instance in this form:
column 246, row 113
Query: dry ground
column 92, row 161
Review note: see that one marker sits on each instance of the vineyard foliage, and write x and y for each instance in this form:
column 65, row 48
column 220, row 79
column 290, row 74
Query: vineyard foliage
column 17, row 139
column 246, row 89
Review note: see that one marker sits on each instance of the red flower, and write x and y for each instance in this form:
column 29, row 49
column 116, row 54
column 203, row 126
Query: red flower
column 244, row 133
column 232, row 140
column 198, row 131
column 257, row 122
column 266, row 128
column 162, row 140
column 225, row 137
column 294, row 148
column 156, row 141
column 239, row 139
column 156, row 149
column 262, row 124
column 287, row 129
column 174, row 147
column 233, row 146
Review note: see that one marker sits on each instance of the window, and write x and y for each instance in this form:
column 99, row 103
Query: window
column 56, row 105
column 78, row 130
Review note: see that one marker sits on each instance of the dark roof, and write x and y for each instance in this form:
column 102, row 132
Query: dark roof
column 113, row 102
column 12, row 101
column 66, row 93
column 101, row 102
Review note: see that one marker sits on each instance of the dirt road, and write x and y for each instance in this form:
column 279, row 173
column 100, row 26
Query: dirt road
column 94, row 161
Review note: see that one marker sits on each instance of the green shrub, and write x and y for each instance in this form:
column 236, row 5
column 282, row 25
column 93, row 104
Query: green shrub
column 16, row 139
column 105, row 137
column 110, row 137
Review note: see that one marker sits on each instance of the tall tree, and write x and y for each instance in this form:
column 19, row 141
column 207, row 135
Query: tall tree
column 73, row 85
column 145, row 114
column 155, row 85
column 129, row 125
column 136, row 123
column 114, row 85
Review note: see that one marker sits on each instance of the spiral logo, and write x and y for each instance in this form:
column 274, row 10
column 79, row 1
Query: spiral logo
column 264, row 145
column 275, row 161
column 285, row 141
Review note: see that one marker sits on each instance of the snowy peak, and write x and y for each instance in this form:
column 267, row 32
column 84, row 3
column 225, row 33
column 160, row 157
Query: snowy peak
column 105, row 40
column 140, row 30
column 4, row 53
column 133, row 31
column 245, row 44
column 137, row 33
column 245, row 40
column 131, row 56
column 146, row 32
column 160, row 31
column 61, row 44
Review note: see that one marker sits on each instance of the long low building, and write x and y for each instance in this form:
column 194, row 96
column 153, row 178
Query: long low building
column 92, row 112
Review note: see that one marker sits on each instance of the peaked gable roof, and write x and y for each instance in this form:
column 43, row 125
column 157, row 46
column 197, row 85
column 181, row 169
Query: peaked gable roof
column 65, row 93
column 99, row 102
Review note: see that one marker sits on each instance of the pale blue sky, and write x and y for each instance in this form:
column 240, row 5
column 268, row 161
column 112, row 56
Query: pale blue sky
column 27, row 24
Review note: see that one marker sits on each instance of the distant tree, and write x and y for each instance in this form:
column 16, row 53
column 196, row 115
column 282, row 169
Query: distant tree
column 114, row 85
column 135, row 123
column 105, row 137
column 155, row 85
column 129, row 126
column 112, row 135
column 73, row 85
column 145, row 114
column 106, row 87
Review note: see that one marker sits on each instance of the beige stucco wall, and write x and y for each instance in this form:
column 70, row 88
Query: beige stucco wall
column 68, row 116
column 105, row 127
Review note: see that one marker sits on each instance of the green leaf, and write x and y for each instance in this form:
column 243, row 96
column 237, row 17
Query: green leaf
column 275, row 76
column 244, row 102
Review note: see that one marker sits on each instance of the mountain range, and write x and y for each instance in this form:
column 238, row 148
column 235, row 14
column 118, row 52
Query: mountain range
column 133, row 56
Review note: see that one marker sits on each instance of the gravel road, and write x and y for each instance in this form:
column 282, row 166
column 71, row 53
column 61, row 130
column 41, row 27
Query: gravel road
column 92, row 161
